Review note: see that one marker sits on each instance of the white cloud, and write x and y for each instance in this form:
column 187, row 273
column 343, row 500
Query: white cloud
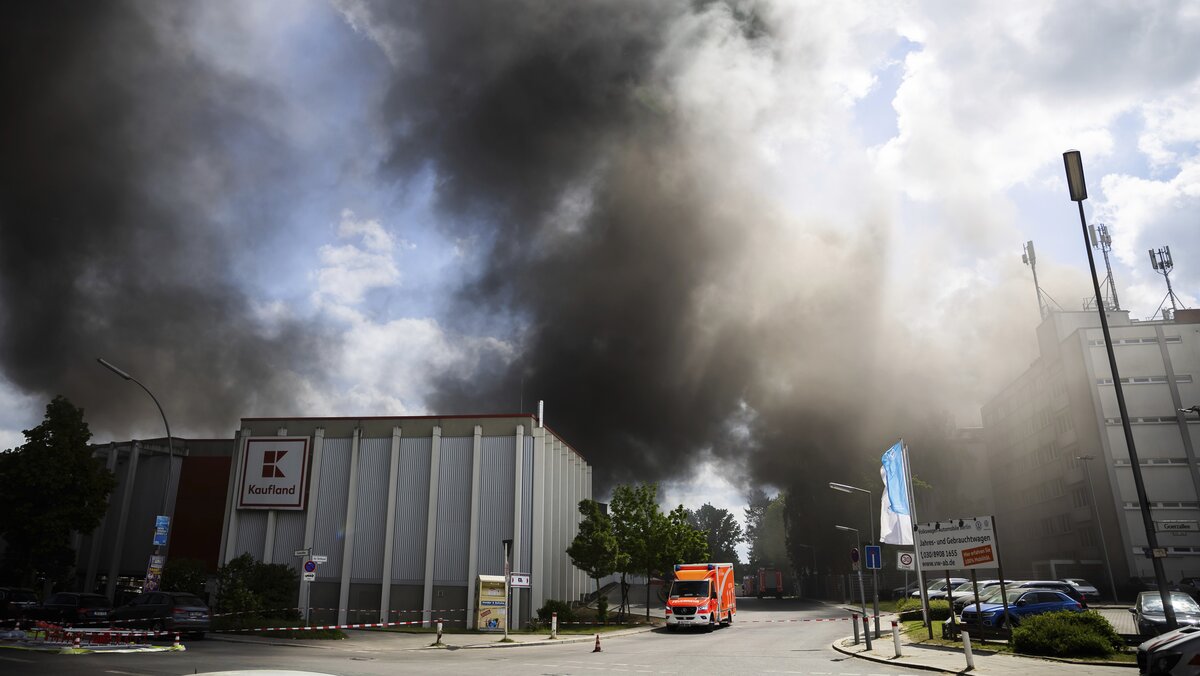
column 349, row 271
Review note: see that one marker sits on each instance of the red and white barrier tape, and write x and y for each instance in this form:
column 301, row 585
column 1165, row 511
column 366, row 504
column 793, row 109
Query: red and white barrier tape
column 355, row 625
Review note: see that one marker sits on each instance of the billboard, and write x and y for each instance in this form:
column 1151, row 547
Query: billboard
column 274, row 473
column 958, row 544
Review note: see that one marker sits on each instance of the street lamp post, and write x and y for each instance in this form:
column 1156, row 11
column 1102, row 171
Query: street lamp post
column 1099, row 527
column 862, row 594
column 845, row 488
column 170, row 446
column 1077, row 186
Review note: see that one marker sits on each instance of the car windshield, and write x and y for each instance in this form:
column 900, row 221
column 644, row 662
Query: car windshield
column 23, row 597
column 684, row 589
column 93, row 602
column 189, row 601
column 964, row 587
column 1180, row 602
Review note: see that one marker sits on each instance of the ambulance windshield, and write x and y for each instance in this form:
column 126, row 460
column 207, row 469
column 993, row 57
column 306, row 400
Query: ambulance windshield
column 685, row 589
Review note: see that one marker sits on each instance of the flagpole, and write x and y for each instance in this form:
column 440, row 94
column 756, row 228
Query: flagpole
column 912, row 514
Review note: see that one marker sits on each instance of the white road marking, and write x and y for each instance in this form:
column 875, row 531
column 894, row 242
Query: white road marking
column 14, row 659
column 124, row 673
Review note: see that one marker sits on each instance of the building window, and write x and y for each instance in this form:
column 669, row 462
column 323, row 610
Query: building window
column 1079, row 496
column 1087, row 536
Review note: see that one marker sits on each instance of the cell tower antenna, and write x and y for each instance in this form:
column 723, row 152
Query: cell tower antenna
column 1102, row 240
column 1029, row 257
column 1160, row 260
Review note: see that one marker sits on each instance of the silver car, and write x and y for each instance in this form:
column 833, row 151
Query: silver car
column 1086, row 589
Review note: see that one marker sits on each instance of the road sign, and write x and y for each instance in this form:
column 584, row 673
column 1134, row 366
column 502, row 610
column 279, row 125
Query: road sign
column 520, row 580
column 958, row 544
column 310, row 566
column 300, row 552
column 320, row 558
column 854, row 555
column 1177, row 526
column 874, row 557
column 905, row 561
column 310, row 577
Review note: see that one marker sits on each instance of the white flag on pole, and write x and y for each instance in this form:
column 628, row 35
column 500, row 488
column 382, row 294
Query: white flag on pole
column 895, row 517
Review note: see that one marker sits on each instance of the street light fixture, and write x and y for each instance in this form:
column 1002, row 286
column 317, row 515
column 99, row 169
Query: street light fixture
column 846, row 488
column 1078, row 189
column 862, row 594
column 170, row 446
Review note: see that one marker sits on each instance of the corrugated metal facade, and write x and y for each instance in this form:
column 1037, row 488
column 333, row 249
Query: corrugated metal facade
column 412, row 505
column 452, row 539
column 289, row 536
column 546, row 519
column 496, row 464
column 373, row 459
column 331, row 507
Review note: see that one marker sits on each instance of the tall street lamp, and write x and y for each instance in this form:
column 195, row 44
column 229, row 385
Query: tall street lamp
column 1078, row 189
column 845, row 488
column 862, row 594
column 170, row 454
column 1099, row 527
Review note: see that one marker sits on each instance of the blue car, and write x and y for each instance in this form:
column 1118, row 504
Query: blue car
column 1021, row 604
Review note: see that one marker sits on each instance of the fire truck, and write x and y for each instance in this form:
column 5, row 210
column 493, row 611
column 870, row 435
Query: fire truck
column 768, row 582
column 702, row 595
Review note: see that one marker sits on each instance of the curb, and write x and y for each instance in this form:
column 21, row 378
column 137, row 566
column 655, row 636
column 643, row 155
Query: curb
column 893, row 661
column 582, row 638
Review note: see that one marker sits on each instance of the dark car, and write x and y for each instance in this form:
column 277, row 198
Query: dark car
column 1148, row 612
column 164, row 611
column 1022, row 603
column 73, row 609
column 1057, row 585
column 14, row 602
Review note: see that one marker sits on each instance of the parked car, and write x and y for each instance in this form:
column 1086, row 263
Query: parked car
column 1191, row 585
column 1174, row 653
column 14, row 602
column 72, row 609
column 1151, row 620
column 1057, row 585
column 1022, row 603
column 165, row 611
column 904, row 592
column 937, row 589
column 1086, row 589
column 991, row 595
column 966, row 592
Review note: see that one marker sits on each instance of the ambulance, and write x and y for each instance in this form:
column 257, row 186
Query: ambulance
column 702, row 595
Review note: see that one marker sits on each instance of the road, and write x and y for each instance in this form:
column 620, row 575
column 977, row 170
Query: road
column 769, row 637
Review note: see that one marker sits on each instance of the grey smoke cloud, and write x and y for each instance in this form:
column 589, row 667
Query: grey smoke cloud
column 124, row 160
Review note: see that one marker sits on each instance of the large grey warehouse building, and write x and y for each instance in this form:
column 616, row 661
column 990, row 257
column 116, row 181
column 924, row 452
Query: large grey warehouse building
column 407, row 511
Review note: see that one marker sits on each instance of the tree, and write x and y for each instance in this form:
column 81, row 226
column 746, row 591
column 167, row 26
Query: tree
column 636, row 518
column 251, row 588
column 52, row 487
column 185, row 575
column 722, row 532
column 594, row 549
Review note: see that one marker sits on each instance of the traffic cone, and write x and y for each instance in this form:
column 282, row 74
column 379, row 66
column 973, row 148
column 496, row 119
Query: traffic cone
column 597, row 648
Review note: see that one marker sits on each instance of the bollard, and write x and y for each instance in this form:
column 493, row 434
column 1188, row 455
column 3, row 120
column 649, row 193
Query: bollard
column 176, row 640
column 854, row 623
column 966, row 637
column 597, row 648
column 439, row 632
column 77, row 642
column 553, row 625
column 896, row 637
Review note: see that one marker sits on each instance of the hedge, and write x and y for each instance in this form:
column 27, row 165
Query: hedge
column 910, row 609
column 1067, row 634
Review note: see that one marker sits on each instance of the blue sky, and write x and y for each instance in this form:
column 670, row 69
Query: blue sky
column 934, row 130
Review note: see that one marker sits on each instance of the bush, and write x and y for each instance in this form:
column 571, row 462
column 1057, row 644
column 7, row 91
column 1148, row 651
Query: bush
column 910, row 609
column 1067, row 634
column 602, row 609
column 251, row 588
column 185, row 575
column 565, row 614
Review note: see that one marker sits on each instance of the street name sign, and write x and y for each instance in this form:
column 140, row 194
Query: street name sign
column 958, row 544
column 319, row 558
column 1177, row 526
column 520, row 580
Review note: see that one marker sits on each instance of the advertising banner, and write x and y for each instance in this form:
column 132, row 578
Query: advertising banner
column 274, row 473
column 162, row 525
column 958, row 544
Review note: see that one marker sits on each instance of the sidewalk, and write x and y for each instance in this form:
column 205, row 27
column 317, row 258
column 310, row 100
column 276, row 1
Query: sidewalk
column 953, row 661
column 360, row 640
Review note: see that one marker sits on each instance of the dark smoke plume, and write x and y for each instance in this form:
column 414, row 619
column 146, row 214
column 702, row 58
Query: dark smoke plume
column 122, row 158
column 667, row 309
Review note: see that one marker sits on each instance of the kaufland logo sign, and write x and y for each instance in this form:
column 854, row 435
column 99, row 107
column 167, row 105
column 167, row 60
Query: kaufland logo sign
column 274, row 473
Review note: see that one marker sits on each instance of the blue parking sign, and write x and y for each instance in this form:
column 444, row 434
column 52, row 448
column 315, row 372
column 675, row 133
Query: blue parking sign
column 874, row 557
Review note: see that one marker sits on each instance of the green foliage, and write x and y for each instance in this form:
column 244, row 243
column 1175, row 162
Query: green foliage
column 242, row 624
column 766, row 532
column 910, row 609
column 185, row 575
column 565, row 614
column 594, row 549
column 722, row 532
column 1067, row 634
column 251, row 588
column 52, row 487
column 679, row 542
column 602, row 609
